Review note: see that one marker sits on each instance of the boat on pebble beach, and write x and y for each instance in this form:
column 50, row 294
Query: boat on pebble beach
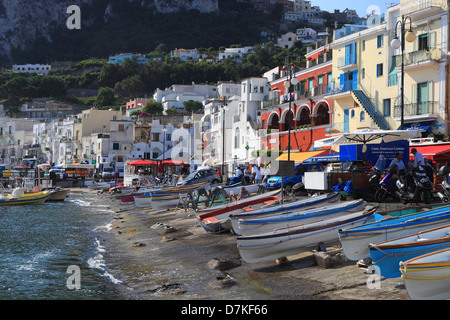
column 218, row 219
column 387, row 255
column 307, row 203
column 293, row 218
column 355, row 240
column 297, row 239
column 427, row 277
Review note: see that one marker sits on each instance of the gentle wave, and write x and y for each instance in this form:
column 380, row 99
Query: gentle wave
column 97, row 262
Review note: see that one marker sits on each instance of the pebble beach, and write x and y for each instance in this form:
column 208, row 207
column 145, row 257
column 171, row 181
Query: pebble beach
column 166, row 255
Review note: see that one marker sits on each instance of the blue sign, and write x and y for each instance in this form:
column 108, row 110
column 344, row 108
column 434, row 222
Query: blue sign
column 387, row 150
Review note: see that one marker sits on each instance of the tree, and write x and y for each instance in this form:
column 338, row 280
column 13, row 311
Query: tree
column 192, row 106
column 153, row 108
column 105, row 97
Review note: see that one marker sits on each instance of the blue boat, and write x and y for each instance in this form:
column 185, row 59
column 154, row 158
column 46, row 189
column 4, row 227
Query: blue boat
column 386, row 256
column 355, row 240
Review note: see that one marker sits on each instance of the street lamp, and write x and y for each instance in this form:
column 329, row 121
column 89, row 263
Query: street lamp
column 287, row 84
column 223, row 137
column 397, row 44
column 189, row 123
column 164, row 130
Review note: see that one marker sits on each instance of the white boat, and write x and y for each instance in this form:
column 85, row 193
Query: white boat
column 293, row 218
column 156, row 202
column 310, row 202
column 288, row 241
column 217, row 220
column 355, row 240
column 427, row 277
column 387, row 255
column 102, row 185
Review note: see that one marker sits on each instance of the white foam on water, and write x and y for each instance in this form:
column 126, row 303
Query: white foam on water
column 105, row 228
column 97, row 262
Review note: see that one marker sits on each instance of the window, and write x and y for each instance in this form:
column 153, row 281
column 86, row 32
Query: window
column 380, row 39
column 423, row 42
column 121, row 127
column 236, row 138
column 353, row 113
column 386, row 107
column 363, row 75
column 350, row 53
column 364, row 45
column 379, row 70
column 116, row 146
column 362, row 116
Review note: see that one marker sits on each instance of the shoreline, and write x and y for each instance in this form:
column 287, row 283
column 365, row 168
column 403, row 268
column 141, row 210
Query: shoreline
column 171, row 263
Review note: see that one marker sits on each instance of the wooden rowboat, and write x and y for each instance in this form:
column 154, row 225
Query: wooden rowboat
column 387, row 255
column 293, row 218
column 427, row 277
column 218, row 219
column 355, row 240
column 293, row 240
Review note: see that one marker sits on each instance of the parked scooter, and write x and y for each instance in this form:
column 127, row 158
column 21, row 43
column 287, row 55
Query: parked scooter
column 374, row 185
column 388, row 187
column 444, row 195
column 415, row 187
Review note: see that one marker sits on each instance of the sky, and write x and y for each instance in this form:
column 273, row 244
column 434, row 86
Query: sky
column 360, row 6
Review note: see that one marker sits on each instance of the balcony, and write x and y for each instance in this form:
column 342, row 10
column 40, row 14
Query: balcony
column 417, row 109
column 344, row 63
column 419, row 58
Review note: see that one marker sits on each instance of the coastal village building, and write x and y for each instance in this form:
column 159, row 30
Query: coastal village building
column 367, row 73
column 298, row 106
column 32, row 68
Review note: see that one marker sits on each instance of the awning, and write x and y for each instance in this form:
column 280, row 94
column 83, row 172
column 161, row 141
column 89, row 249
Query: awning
column 334, row 157
column 299, row 157
column 424, row 125
column 436, row 152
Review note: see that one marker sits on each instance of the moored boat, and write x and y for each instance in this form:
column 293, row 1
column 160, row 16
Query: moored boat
column 310, row 202
column 387, row 255
column 293, row 240
column 355, row 240
column 58, row 195
column 23, row 199
column 218, row 219
column 427, row 277
column 293, row 218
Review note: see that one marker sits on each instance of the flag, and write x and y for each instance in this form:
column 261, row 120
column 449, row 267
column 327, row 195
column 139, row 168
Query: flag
column 219, row 96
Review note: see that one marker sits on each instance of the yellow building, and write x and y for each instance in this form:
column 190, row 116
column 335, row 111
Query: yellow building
column 367, row 71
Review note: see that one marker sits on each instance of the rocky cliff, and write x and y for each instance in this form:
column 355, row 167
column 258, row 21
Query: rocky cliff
column 23, row 21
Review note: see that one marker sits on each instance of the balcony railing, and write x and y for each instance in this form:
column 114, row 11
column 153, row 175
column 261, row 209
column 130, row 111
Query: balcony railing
column 416, row 109
column 415, row 57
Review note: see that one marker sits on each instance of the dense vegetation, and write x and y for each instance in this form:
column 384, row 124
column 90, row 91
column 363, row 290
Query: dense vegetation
column 136, row 30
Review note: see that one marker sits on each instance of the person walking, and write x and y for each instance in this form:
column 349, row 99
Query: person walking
column 418, row 158
column 258, row 179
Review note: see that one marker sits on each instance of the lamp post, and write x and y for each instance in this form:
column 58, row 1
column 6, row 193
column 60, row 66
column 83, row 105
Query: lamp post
column 396, row 44
column 189, row 123
column 287, row 84
column 164, row 130
column 223, row 138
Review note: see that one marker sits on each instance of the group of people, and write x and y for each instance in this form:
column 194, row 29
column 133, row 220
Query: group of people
column 253, row 174
column 419, row 160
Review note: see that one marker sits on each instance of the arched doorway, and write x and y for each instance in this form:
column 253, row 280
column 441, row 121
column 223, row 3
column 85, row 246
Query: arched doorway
column 322, row 115
column 273, row 122
column 304, row 116
column 288, row 121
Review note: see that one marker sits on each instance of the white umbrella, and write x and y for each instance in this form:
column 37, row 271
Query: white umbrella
column 376, row 136
column 365, row 136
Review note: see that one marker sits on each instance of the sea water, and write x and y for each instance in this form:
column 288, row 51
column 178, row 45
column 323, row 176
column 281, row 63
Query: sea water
column 52, row 251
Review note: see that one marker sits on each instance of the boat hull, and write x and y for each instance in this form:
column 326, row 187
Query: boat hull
column 427, row 277
column 355, row 241
column 29, row 199
column 291, row 219
column 289, row 241
column 386, row 256
column 58, row 195
column 218, row 219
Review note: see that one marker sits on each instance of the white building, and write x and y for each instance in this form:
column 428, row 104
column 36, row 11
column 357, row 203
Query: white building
column 32, row 68
column 235, row 54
